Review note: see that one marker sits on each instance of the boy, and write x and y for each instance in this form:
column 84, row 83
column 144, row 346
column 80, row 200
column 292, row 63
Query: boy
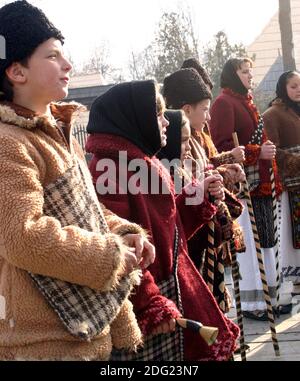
column 66, row 265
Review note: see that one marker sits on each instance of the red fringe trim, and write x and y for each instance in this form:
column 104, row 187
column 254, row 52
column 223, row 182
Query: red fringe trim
column 252, row 152
column 157, row 315
column 225, row 346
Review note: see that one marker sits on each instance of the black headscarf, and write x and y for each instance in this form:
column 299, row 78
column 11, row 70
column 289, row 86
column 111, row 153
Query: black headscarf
column 174, row 132
column 230, row 79
column 128, row 110
column 281, row 91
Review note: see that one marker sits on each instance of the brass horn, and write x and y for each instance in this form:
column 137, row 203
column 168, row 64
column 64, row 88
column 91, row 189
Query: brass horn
column 209, row 334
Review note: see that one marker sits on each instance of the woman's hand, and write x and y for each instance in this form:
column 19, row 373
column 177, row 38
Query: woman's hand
column 238, row 154
column 213, row 186
column 143, row 250
column 268, row 151
column 235, row 173
column 166, row 327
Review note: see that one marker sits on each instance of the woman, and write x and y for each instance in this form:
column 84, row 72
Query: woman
column 282, row 123
column 178, row 138
column 185, row 90
column 130, row 118
column 234, row 111
column 179, row 148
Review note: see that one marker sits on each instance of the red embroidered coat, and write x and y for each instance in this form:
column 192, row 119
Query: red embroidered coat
column 236, row 113
column 158, row 214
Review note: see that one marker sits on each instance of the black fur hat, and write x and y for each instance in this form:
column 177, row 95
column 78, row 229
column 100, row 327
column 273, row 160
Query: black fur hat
column 24, row 27
column 183, row 87
column 194, row 63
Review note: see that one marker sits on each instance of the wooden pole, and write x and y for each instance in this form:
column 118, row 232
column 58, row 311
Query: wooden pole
column 260, row 261
column 237, row 294
column 286, row 30
column 276, row 235
column 211, row 256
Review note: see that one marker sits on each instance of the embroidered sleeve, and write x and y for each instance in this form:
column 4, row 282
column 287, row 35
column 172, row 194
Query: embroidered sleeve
column 288, row 163
column 222, row 158
column 194, row 215
column 252, row 153
column 229, row 183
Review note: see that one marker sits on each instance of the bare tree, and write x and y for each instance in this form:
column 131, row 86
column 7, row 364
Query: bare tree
column 98, row 62
column 143, row 65
column 285, row 22
column 174, row 41
column 116, row 75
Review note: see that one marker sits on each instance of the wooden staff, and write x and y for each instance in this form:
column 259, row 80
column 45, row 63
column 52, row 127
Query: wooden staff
column 211, row 256
column 215, row 266
column 221, row 278
column 237, row 294
column 260, row 260
column 276, row 235
column 212, row 262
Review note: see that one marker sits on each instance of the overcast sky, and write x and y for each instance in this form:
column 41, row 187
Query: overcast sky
column 129, row 25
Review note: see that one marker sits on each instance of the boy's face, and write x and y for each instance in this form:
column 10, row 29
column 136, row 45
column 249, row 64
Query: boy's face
column 198, row 114
column 47, row 72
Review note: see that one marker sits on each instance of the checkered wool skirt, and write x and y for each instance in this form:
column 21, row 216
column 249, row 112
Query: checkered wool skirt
column 164, row 347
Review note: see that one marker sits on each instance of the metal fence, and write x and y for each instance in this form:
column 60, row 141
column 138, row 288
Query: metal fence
column 80, row 133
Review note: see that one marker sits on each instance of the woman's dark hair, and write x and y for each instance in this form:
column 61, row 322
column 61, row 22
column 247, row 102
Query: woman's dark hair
column 6, row 87
column 237, row 62
column 281, row 91
column 230, row 78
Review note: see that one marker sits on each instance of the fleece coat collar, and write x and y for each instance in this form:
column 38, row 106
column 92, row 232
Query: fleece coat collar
column 14, row 114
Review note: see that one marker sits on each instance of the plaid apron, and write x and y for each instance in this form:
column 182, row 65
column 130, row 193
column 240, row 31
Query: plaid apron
column 252, row 175
column 294, row 201
column 263, row 213
column 164, row 347
column 83, row 311
column 252, row 171
column 262, row 206
column 291, row 182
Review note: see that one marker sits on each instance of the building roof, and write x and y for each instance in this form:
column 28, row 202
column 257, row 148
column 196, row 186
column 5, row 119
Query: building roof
column 86, row 88
column 87, row 95
column 268, row 51
column 87, row 80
